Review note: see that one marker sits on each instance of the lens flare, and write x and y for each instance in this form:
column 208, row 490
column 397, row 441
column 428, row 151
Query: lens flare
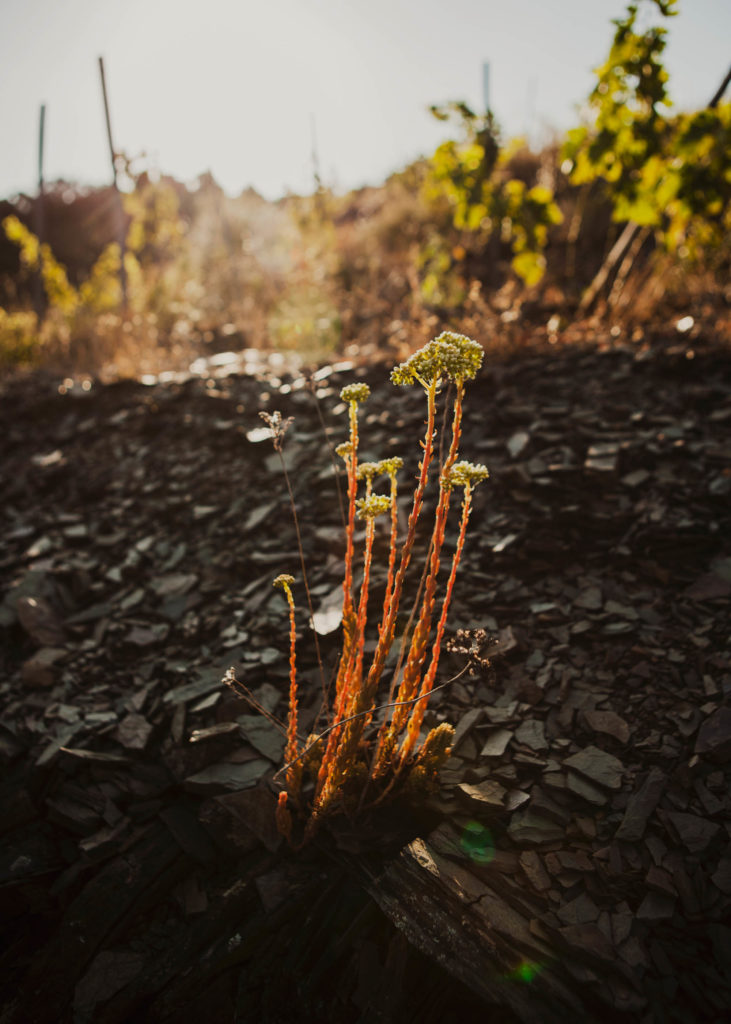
column 526, row 971
column 477, row 843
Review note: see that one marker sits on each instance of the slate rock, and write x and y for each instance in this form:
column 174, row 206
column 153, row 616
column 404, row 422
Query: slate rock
column 263, row 735
column 254, row 809
column 532, row 865
column 40, row 621
column 532, row 733
column 528, row 827
column 714, row 736
column 589, row 940
column 108, row 974
column 608, row 722
column 590, row 599
column 656, row 906
column 488, row 795
column 721, row 877
column 694, row 833
column 496, row 743
column 581, row 910
column 218, row 778
column 586, row 790
column 517, row 443
column 41, row 671
column 641, row 805
column 597, row 766
column 134, row 731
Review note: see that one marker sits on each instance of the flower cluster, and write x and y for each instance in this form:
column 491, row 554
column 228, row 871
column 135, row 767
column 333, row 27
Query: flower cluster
column 449, row 357
column 465, row 474
column 355, row 393
column 372, row 506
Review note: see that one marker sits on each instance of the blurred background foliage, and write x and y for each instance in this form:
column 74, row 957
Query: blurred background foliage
column 483, row 228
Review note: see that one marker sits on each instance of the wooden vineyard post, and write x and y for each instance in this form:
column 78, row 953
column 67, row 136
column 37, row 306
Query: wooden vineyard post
column 39, row 295
column 122, row 229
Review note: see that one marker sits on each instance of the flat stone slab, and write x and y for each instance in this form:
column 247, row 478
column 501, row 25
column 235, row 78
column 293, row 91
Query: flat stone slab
column 695, row 833
column 489, row 795
column 597, row 766
column 714, row 736
column 641, row 805
column 608, row 722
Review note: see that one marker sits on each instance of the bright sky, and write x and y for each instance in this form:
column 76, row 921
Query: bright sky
column 234, row 85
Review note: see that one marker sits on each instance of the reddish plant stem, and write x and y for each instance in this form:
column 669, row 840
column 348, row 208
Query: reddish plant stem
column 295, row 518
column 348, row 624
column 385, row 637
column 417, row 651
column 294, row 777
column 340, row 753
column 345, row 667
column 417, row 715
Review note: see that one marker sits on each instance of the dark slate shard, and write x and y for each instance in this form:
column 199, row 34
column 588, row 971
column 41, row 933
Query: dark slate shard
column 105, row 841
column 40, row 621
column 622, row 923
column 465, row 724
column 134, row 732
column 527, row 827
column 515, row 799
column 694, row 833
column 146, row 636
column 714, row 736
column 263, row 735
column 532, row 865
column 488, row 795
column 108, row 974
column 656, row 906
column 607, row 722
column 41, row 670
column 532, row 734
column 210, row 680
column 213, row 732
column 633, row 953
column 96, row 757
column 218, row 778
column 721, row 877
column 185, row 827
column 254, row 810
column 496, row 743
column 588, row 940
column 541, row 803
column 174, row 584
column 597, row 766
column 582, row 910
column 641, row 805
column 590, row 599
column 586, row 790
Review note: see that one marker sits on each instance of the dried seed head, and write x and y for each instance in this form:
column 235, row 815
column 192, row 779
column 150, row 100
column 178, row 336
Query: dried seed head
column 344, row 450
column 278, row 426
column 375, row 505
column 283, row 581
column 448, row 357
column 465, row 474
column 355, row 392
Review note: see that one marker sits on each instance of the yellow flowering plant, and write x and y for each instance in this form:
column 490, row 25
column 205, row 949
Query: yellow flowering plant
column 369, row 747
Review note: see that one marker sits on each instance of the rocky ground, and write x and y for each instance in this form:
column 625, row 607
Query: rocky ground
column 578, row 857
